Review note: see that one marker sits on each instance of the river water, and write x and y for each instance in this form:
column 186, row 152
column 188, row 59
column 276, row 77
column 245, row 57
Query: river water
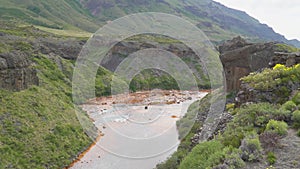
column 135, row 136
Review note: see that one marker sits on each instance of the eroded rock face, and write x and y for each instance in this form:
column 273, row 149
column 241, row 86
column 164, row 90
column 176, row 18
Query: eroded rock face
column 123, row 49
column 16, row 65
column 287, row 59
column 16, row 72
column 239, row 58
column 67, row 49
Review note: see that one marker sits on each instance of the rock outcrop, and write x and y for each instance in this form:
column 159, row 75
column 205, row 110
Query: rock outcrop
column 66, row 48
column 287, row 59
column 16, row 66
column 123, row 49
column 16, row 72
column 239, row 58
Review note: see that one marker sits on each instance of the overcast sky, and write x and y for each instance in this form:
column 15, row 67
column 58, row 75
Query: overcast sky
column 282, row 15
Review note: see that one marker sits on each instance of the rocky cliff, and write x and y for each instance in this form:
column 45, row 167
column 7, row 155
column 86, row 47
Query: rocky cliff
column 239, row 58
column 129, row 46
column 16, row 71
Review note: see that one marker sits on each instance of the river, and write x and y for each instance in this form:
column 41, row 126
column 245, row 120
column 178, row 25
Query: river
column 136, row 134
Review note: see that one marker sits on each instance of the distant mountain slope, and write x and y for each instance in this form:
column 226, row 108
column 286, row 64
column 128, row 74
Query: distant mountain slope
column 58, row 14
column 216, row 20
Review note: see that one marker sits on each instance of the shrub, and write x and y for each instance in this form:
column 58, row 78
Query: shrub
column 278, row 127
column 234, row 134
column 230, row 106
column 251, row 148
column 204, row 155
column 269, row 140
column 271, row 158
column 232, row 158
column 296, row 98
column 298, row 133
column 296, row 119
column 289, row 105
column 257, row 115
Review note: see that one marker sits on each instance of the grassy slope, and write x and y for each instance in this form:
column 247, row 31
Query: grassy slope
column 217, row 21
column 65, row 14
column 38, row 126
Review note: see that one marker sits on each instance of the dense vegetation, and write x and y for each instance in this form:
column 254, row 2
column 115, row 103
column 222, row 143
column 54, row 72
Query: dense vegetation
column 252, row 135
column 39, row 128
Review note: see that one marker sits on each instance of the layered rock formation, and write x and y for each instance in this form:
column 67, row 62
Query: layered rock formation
column 239, row 58
column 123, row 49
column 16, row 72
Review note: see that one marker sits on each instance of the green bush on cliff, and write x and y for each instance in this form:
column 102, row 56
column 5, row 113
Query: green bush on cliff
column 296, row 98
column 212, row 154
column 278, row 127
column 289, row 105
column 251, row 148
column 268, row 79
column 296, row 119
column 206, row 154
column 252, row 117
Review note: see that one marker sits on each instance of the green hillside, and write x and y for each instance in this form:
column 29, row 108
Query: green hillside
column 217, row 21
column 57, row 14
column 38, row 125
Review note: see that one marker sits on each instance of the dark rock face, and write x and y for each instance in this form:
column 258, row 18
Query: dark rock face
column 239, row 58
column 287, row 59
column 123, row 49
column 67, row 49
column 16, row 72
column 16, row 66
